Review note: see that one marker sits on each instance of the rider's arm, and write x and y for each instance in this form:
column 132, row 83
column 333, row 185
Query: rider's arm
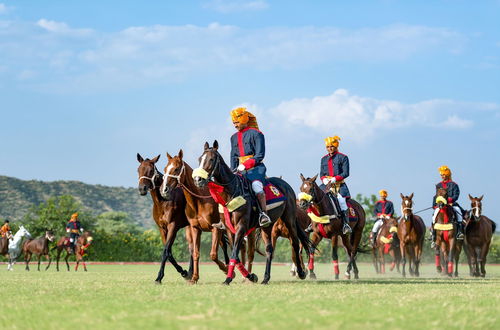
column 389, row 209
column 260, row 150
column 376, row 209
column 454, row 193
column 344, row 169
column 234, row 152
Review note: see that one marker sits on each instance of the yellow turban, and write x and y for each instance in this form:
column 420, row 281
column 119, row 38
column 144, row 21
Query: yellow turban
column 332, row 141
column 242, row 116
column 383, row 193
column 445, row 170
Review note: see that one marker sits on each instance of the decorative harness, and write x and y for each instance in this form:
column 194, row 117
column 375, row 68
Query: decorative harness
column 153, row 178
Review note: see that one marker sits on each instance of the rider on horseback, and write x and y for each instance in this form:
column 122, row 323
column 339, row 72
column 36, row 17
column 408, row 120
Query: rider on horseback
column 453, row 193
column 247, row 153
column 335, row 169
column 73, row 228
column 5, row 228
column 384, row 209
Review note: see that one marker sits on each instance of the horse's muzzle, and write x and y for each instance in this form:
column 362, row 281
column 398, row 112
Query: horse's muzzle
column 143, row 190
column 303, row 204
column 200, row 182
column 165, row 192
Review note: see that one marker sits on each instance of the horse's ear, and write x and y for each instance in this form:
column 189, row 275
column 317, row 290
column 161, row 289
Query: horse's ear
column 206, row 146
column 470, row 197
column 402, row 197
column 302, row 177
column 216, row 145
column 481, row 198
column 139, row 158
column 180, row 154
column 168, row 156
column 154, row 160
column 411, row 196
column 313, row 179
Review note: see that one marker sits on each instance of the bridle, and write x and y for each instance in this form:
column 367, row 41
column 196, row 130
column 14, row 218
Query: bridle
column 210, row 176
column 153, row 178
column 178, row 176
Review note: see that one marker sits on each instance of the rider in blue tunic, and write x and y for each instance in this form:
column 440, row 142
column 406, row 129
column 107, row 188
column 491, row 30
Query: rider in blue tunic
column 335, row 169
column 247, row 155
column 73, row 228
column 384, row 209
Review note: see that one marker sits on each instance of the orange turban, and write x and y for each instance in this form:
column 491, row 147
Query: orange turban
column 445, row 170
column 383, row 193
column 74, row 216
column 242, row 116
column 332, row 141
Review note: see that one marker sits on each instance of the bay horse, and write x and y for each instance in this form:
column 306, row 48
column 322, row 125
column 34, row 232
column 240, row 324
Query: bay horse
column 479, row 230
column 63, row 244
column 387, row 243
column 15, row 246
column 38, row 246
column 411, row 234
column 4, row 243
column 168, row 214
column 446, row 243
column 228, row 187
column 320, row 206
column 201, row 210
column 82, row 244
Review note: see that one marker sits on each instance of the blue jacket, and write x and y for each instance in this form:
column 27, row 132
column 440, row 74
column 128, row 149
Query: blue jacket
column 336, row 166
column 452, row 190
column 248, row 143
column 383, row 207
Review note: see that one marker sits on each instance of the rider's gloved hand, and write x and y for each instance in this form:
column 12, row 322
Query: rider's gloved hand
column 241, row 168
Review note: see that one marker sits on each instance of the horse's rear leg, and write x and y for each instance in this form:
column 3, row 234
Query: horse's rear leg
column 417, row 252
column 235, row 262
column 66, row 260
column 266, row 237
column 484, row 253
column 351, row 254
column 50, row 260
column 58, row 255
column 196, row 236
column 39, row 260
column 27, row 259
column 335, row 257
column 375, row 259
column 403, row 258
column 250, row 250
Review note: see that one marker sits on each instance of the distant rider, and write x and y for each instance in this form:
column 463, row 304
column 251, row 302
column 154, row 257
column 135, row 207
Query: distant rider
column 74, row 228
column 384, row 209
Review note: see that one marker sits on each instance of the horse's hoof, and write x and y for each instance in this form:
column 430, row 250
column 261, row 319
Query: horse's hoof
column 336, row 276
column 292, row 273
column 184, row 273
column 356, row 277
column 192, row 282
column 439, row 269
column 253, row 278
column 312, row 275
column 265, row 282
column 227, row 281
column 301, row 275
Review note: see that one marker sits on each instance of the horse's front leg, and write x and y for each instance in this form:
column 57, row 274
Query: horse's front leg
column 450, row 258
column 216, row 237
column 484, row 253
column 335, row 256
column 402, row 246
column 417, row 252
column 58, row 256
column 169, row 242
column 351, row 255
column 250, row 250
column 27, row 258
column 266, row 237
column 66, row 260
column 196, row 235
column 314, row 242
column 50, row 261
column 234, row 261
column 39, row 261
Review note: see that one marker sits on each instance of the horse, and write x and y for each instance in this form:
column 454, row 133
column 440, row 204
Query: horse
column 387, row 242
column 38, row 246
column 233, row 188
column 168, row 214
column 321, row 209
column 201, row 210
column 63, row 244
column 15, row 246
column 446, row 243
column 479, row 230
column 411, row 234
column 82, row 244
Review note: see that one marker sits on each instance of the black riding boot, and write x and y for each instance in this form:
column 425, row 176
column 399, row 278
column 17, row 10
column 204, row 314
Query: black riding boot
column 345, row 220
column 460, row 231
column 264, row 219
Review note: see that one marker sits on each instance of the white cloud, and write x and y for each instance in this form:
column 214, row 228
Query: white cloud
column 3, row 8
column 224, row 6
column 360, row 117
column 61, row 28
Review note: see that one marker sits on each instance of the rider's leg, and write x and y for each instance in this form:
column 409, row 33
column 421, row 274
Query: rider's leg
column 458, row 214
column 72, row 243
column 375, row 229
column 258, row 188
column 433, row 232
column 344, row 214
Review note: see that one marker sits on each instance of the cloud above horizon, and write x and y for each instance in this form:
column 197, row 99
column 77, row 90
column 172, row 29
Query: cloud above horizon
column 65, row 57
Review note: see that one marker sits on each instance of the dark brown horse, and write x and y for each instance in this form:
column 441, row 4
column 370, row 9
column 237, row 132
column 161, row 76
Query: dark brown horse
column 411, row 234
column 82, row 245
column 445, row 234
column 227, row 186
column 201, row 210
column 168, row 214
column 387, row 243
column 4, row 243
column 63, row 244
column 321, row 206
column 479, row 230
column 38, row 246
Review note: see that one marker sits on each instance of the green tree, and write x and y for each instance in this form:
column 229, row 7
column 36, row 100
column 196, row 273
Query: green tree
column 54, row 214
column 116, row 222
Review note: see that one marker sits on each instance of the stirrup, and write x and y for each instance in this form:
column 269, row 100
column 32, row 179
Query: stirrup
column 264, row 220
column 346, row 229
column 460, row 236
column 433, row 245
column 309, row 228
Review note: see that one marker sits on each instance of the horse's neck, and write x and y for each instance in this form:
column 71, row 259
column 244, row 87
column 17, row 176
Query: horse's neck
column 155, row 195
column 325, row 204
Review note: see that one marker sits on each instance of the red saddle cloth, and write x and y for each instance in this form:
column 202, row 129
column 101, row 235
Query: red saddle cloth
column 352, row 213
column 273, row 194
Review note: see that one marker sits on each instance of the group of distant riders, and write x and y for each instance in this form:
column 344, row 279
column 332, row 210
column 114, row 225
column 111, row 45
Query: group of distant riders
column 247, row 155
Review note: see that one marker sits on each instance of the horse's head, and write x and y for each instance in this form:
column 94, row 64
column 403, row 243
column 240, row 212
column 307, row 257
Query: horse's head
column 476, row 207
column 209, row 164
column 406, row 206
column 23, row 232
column 441, row 197
column 49, row 234
column 307, row 191
column 86, row 237
column 147, row 174
column 172, row 174
column 392, row 224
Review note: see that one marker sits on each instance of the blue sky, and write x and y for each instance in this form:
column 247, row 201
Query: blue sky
column 408, row 85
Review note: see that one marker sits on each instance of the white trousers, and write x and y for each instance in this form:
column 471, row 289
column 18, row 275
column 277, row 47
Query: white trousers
column 377, row 226
column 342, row 202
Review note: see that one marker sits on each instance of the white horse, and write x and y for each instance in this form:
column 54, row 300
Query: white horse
column 15, row 246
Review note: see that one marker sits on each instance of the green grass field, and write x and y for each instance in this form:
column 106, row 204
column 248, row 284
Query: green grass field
column 125, row 297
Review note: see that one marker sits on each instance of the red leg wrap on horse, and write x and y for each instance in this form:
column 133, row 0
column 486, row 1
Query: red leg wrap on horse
column 230, row 269
column 438, row 261
column 393, row 264
column 382, row 268
column 242, row 269
column 450, row 267
column 336, row 267
column 311, row 262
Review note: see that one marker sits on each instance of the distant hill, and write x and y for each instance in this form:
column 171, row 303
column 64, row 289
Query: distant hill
column 17, row 196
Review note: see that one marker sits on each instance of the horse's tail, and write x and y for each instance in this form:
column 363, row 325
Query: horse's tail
column 493, row 226
column 304, row 239
column 257, row 241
